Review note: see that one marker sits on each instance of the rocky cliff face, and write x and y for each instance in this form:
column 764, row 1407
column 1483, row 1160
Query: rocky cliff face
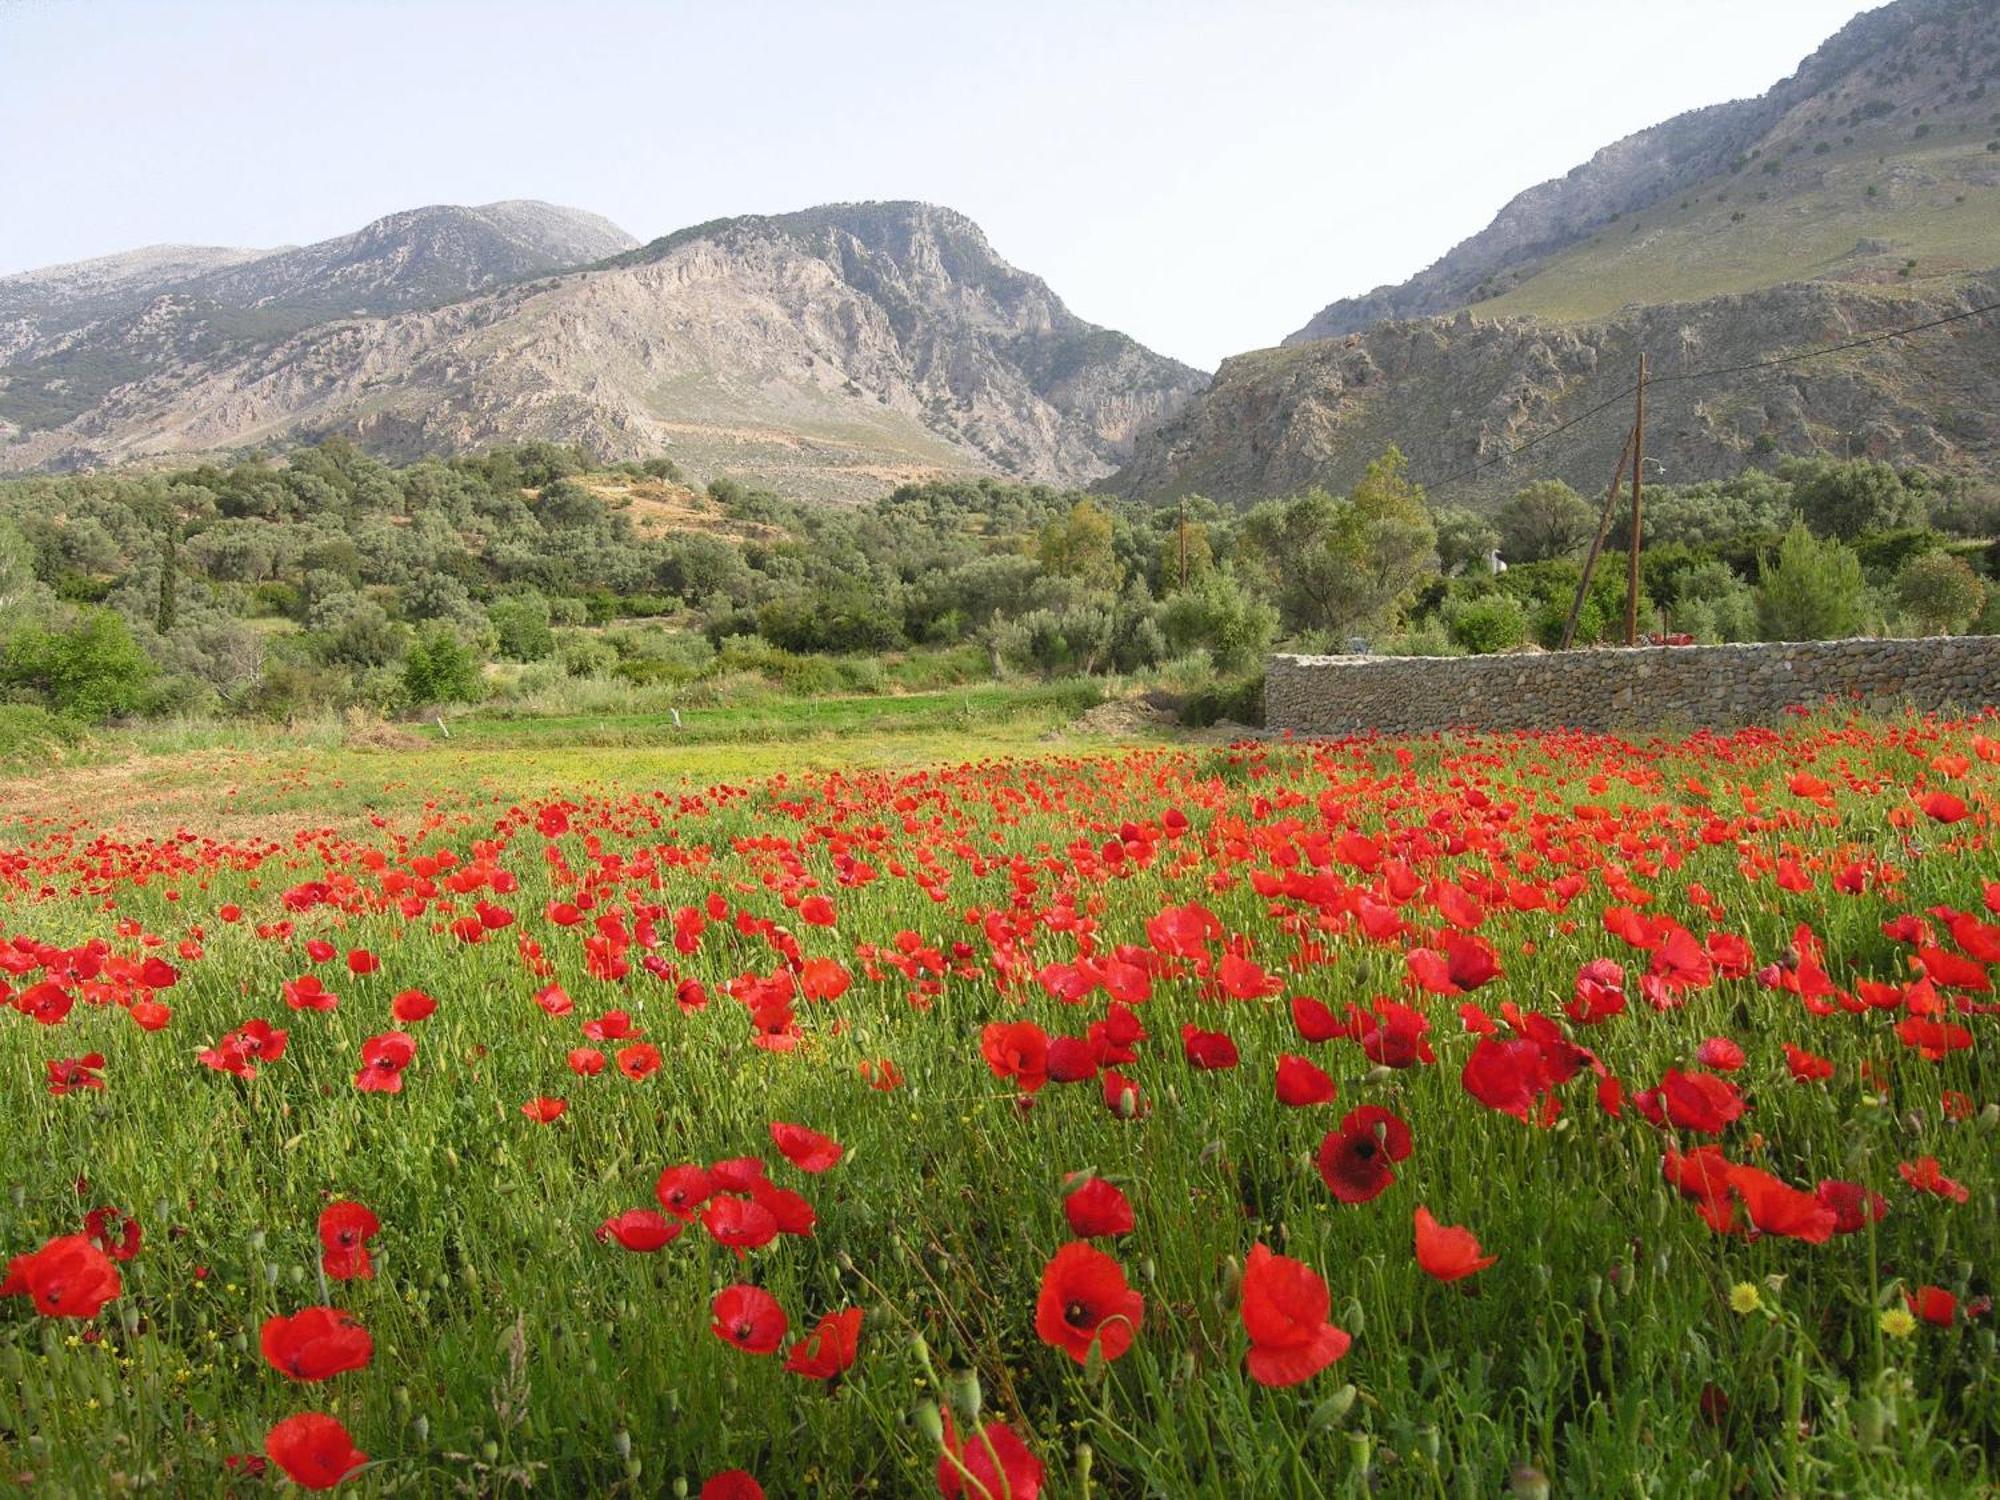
column 71, row 335
column 1891, row 79
column 1457, row 392
column 834, row 352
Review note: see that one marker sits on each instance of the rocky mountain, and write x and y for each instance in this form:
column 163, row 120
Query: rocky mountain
column 1459, row 392
column 832, row 352
column 1861, row 194
column 1910, row 91
column 69, row 335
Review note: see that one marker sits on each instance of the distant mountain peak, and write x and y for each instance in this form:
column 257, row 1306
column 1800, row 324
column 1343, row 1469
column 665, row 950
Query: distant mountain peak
column 1916, row 73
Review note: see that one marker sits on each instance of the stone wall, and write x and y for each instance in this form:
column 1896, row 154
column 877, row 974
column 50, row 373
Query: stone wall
column 1653, row 687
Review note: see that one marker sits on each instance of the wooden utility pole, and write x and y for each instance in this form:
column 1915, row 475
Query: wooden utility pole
column 1183, row 578
column 1604, row 516
column 1638, row 472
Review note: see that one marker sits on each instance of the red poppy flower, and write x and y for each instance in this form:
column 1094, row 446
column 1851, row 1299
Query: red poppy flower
column 383, row 1059
column 829, row 1350
column 69, row 1075
column 1285, row 1304
column 816, row 910
column 1854, row 1207
column 1096, row 1210
column 313, row 1449
column 315, row 1343
column 319, row 950
column 731, row 1484
column 1776, row 1207
column 360, row 961
column 411, row 1006
column 639, row 1061
column 1085, row 1300
column 239, row 1051
column 683, row 1190
column 1807, row 1067
column 1942, row 807
column 1933, row 1304
column 748, row 1317
column 1446, row 1251
column 1719, row 1053
column 585, row 1062
column 993, row 1464
column 1314, row 1021
column 113, row 1231
column 307, row 993
column 642, row 1230
column 739, row 1223
column 69, row 1277
column 1700, row 1101
column 1301, row 1082
column 544, row 1110
column 345, row 1228
column 1924, row 1175
column 1017, row 1050
column 1208, row 1049
column 805, row 1149
column 1355, row 1161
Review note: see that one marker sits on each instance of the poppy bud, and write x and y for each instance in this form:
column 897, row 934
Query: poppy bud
column 298, row 1275
column 962, row 1389
column 1232, row 1282
column 420, row 1425
column 1149, row 1270
column 930, row 1422
column 402, row 1399
column 1085, row 1458
column 1333, row 1410
column 633, row 1468
column 1128, row 1103
column 240, row 1341
column 1427, row 1441
column 1378, row 1075
column 1913, row 1122
column 1989, row 1117
column 1528, row 1483
column 1351, row 1317
column 621, row 1443
column 490, row 1451
column 256, row 1239
column 680, row 1488
column 1360, row 1452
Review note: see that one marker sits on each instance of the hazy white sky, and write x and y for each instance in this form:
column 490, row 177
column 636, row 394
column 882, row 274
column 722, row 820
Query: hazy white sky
column 1204, row 176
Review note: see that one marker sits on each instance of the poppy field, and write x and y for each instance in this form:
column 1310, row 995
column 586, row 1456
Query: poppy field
column 1516, row 1114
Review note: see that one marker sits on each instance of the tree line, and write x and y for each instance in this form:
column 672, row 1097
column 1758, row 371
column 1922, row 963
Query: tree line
column 332, row 579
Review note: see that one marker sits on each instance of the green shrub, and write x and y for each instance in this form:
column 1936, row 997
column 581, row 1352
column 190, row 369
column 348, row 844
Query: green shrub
column 91, row 670
column 440, row 668
column 1496, row 622
column 31, row 733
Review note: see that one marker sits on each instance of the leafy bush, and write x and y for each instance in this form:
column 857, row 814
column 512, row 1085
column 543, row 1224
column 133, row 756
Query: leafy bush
column 29, row 732
column 1496, row 622
column 90, row 670
column 440, row 668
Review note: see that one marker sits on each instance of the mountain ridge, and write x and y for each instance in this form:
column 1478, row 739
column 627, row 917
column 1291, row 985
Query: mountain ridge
column 841, row 349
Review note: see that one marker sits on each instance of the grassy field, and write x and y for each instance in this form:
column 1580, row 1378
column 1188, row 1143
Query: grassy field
column 1274, row 1004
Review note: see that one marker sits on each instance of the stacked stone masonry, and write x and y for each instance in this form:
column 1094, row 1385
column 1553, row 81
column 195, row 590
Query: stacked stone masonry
column 1650, row 688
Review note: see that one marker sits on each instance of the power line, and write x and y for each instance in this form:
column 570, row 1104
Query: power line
column 1710, row 374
